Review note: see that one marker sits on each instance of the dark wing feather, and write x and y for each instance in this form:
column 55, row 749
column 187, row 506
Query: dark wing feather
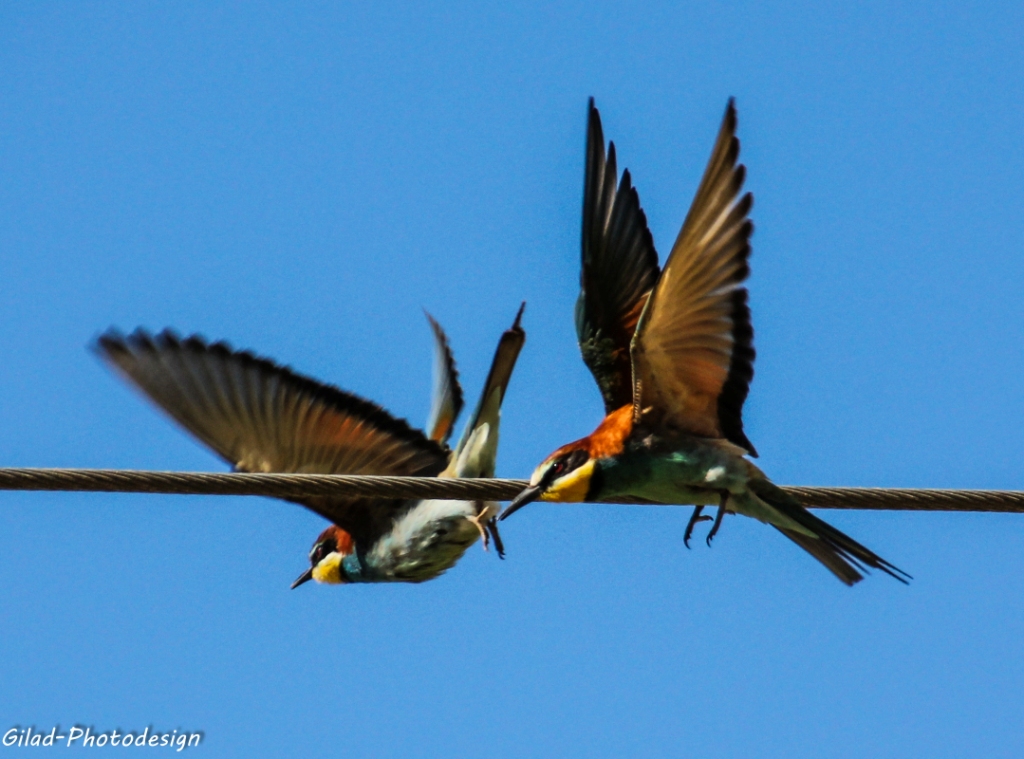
column 619, row 268
column 693, row 354
column 261, row 417
column 446, row 397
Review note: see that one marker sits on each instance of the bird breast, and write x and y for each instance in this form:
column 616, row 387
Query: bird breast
column 425, row 541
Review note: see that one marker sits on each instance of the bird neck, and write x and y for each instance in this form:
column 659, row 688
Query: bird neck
column 354, row 568
column 609, row 439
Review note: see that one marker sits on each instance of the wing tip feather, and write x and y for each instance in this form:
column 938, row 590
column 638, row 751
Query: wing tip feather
column 143, row 341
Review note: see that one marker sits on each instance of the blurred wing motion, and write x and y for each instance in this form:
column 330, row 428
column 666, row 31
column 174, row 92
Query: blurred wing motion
column 477, row 451
column 446, row 397
column 693, row 355
column 262, row 417
column 620, row 267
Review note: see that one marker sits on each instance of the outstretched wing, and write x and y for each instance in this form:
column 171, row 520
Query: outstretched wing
column 693, row 355
column 446, row 397
column 477, row 451
column 619, row 268
column 261, row 417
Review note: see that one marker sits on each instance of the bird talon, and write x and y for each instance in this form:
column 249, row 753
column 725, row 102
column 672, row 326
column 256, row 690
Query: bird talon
column 694, row 518
column 487, row 526
column 499, row 547
column 718, row 517
column 480, row 528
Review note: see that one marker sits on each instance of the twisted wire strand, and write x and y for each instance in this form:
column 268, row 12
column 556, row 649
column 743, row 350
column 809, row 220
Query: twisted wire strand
column 299, row 485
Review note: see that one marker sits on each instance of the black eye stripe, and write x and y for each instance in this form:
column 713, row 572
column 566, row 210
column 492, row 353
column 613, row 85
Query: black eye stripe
column 578, row 459
column 321, row 550
column 566, row 464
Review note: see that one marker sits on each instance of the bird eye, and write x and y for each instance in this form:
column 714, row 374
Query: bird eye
column 320, row 550
column 567, row 463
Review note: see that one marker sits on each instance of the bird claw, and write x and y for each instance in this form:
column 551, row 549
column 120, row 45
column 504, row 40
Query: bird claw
column 487, row 526
column 478, row 523
column 694, row 519
column 499, row 547
column 718, row 518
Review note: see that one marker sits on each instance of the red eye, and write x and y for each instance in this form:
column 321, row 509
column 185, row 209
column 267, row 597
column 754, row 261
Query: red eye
column 559, row 467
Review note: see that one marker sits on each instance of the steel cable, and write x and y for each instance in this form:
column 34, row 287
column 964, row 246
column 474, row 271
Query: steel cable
column 299, row 485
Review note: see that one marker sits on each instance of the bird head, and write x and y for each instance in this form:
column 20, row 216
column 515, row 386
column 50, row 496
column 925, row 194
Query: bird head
column 567, row 475
column 563, row 476
column 325, row 558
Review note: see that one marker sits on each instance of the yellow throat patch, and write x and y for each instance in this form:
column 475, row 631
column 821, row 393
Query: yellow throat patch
column 572, row 487
column 329, row 569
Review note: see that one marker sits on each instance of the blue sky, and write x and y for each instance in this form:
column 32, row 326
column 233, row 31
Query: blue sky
column 303, row 179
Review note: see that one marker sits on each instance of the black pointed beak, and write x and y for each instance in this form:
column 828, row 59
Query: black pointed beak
column 304, row 577
column 527, row 496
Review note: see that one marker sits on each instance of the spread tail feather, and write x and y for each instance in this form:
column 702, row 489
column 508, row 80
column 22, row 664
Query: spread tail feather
column 488, row 409
column 827, row 555
column 841, row 554
column 446, row 396
column 477, row 451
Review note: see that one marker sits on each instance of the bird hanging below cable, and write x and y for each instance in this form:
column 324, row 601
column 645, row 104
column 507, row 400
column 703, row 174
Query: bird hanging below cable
column 672, row 353
column 263, row 417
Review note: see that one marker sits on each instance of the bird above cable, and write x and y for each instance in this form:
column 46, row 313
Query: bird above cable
column 672, row 353
column 263, row 417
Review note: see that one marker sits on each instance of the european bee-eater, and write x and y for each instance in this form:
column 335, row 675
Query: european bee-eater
column 263, row 417
column 672, row 353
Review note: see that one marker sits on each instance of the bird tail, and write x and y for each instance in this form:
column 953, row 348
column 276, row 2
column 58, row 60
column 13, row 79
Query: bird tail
column 841, row 554
column 446, row 395
column 477, row 451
